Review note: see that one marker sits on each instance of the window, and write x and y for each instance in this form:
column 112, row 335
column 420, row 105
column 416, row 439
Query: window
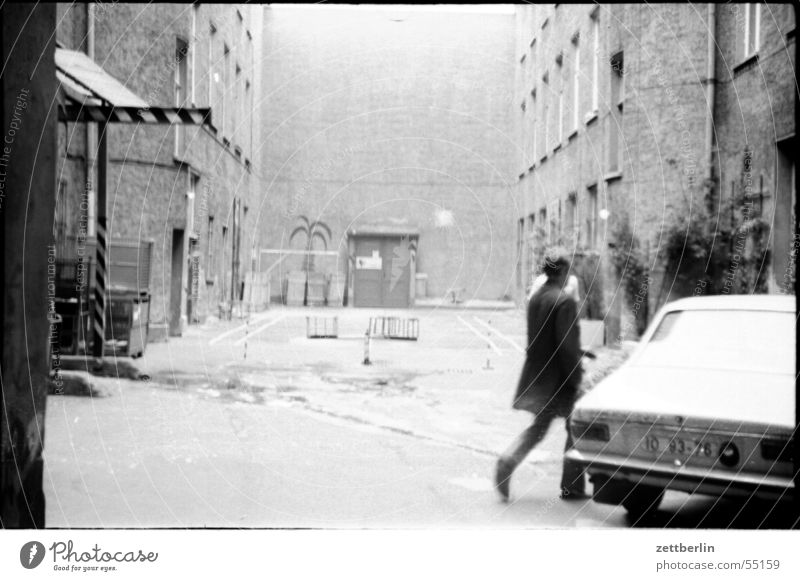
column 618, row 79
column 181, row 86
column 248, row 103
column 615, row 119
column 212, row 76
column 530, row 244
column 193, row 64
column 545, row 115
column 226, row 78
column 222, row 268
column 545, row 123
column 571, row 216
column 560, row 116
column 591, row 218
column 238, row 92
column 210, row 249
column 543, row 222
column 576, row 79
column 596, row 64
column 752, row 26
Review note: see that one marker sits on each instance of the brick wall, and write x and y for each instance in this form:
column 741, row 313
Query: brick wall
column 382, row 115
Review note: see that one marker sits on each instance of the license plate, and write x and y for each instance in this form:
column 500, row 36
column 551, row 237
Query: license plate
column 680, row 445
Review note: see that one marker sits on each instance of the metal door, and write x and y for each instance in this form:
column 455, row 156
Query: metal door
column 382, row 272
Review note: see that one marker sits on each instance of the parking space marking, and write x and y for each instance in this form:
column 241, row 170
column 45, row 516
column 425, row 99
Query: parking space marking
column 480, row 335
column 505, row 338
column 221, row 336
column 261, row 328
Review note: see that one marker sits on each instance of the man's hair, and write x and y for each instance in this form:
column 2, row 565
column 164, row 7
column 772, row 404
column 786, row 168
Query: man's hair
column 556, row 262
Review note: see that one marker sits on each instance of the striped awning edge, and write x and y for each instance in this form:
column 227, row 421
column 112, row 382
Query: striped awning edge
column 147, row 115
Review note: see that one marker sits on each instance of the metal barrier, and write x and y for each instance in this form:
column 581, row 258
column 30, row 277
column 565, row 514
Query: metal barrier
column 322, row 327
column 394, row 328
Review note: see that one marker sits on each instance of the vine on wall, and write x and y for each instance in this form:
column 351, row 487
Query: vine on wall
column 721, row 247
column 630, row 263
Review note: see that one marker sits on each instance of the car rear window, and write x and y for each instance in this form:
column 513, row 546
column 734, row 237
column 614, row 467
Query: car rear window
column 724, row 339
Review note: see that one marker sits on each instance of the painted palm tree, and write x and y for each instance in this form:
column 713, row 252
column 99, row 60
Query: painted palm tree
column 312, row 230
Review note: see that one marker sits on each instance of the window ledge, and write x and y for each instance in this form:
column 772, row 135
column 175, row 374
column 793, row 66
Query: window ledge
column 531, row 167
column 543, row 158
column 612, row 176
column 520, row 176
column 573, row 134
column 590, row 117
column 557, row 147
column 745, row 65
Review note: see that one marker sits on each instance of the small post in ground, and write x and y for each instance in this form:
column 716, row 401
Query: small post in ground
column 488, row 349
column 367, row 342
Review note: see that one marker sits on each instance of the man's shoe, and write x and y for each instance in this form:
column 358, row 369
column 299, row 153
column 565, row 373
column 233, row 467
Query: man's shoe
column 502, row 478
column 573, row 495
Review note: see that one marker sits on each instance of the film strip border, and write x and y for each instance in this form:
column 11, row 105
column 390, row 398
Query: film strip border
column 150, row 116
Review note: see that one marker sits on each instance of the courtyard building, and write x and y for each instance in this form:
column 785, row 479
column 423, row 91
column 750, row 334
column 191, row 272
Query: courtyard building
column 640, row 128
column 182, row 196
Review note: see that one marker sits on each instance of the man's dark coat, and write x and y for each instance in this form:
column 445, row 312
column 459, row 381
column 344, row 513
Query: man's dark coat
column 552, row 371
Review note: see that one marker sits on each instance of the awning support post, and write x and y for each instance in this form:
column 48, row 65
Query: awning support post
column 101, row 279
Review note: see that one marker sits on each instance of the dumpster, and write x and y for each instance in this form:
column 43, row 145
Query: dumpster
column 127, row 321
column 127, row 301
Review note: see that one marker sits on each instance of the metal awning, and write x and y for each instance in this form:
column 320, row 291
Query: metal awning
column 91, row 95
column 82, row 71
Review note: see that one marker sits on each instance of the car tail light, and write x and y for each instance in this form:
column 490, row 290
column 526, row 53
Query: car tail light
column 590, row 431
column 729, row 454
column 777, row 450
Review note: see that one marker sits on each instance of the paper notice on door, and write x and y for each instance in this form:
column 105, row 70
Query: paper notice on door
column 374, row 262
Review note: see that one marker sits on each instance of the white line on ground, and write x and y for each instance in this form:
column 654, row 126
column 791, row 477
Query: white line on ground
column 508, row 340
column 229, row 332
column 261, row 328
column 480, row 335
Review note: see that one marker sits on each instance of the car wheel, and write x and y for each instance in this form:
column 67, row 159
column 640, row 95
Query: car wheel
column 642, row 502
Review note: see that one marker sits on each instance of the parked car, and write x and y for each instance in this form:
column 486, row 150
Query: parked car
column 705, row 404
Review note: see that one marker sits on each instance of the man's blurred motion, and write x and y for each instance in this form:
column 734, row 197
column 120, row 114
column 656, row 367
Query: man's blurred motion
column 551, row 376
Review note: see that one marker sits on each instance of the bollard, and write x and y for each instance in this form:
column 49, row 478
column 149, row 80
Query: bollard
column 246, row 332
column 367, row 339
column 488, row 349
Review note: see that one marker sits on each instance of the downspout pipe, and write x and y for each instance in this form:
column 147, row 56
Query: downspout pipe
column 711, row 89
column 91, row 129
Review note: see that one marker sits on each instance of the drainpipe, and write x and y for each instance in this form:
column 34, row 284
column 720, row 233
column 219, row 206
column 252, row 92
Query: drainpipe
column 711, row 88
column 91, row 130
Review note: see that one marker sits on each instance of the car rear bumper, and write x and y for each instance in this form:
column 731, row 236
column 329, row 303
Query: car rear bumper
column 686, row 479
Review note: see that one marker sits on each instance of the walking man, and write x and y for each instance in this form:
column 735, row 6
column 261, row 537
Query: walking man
column 551, row 375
